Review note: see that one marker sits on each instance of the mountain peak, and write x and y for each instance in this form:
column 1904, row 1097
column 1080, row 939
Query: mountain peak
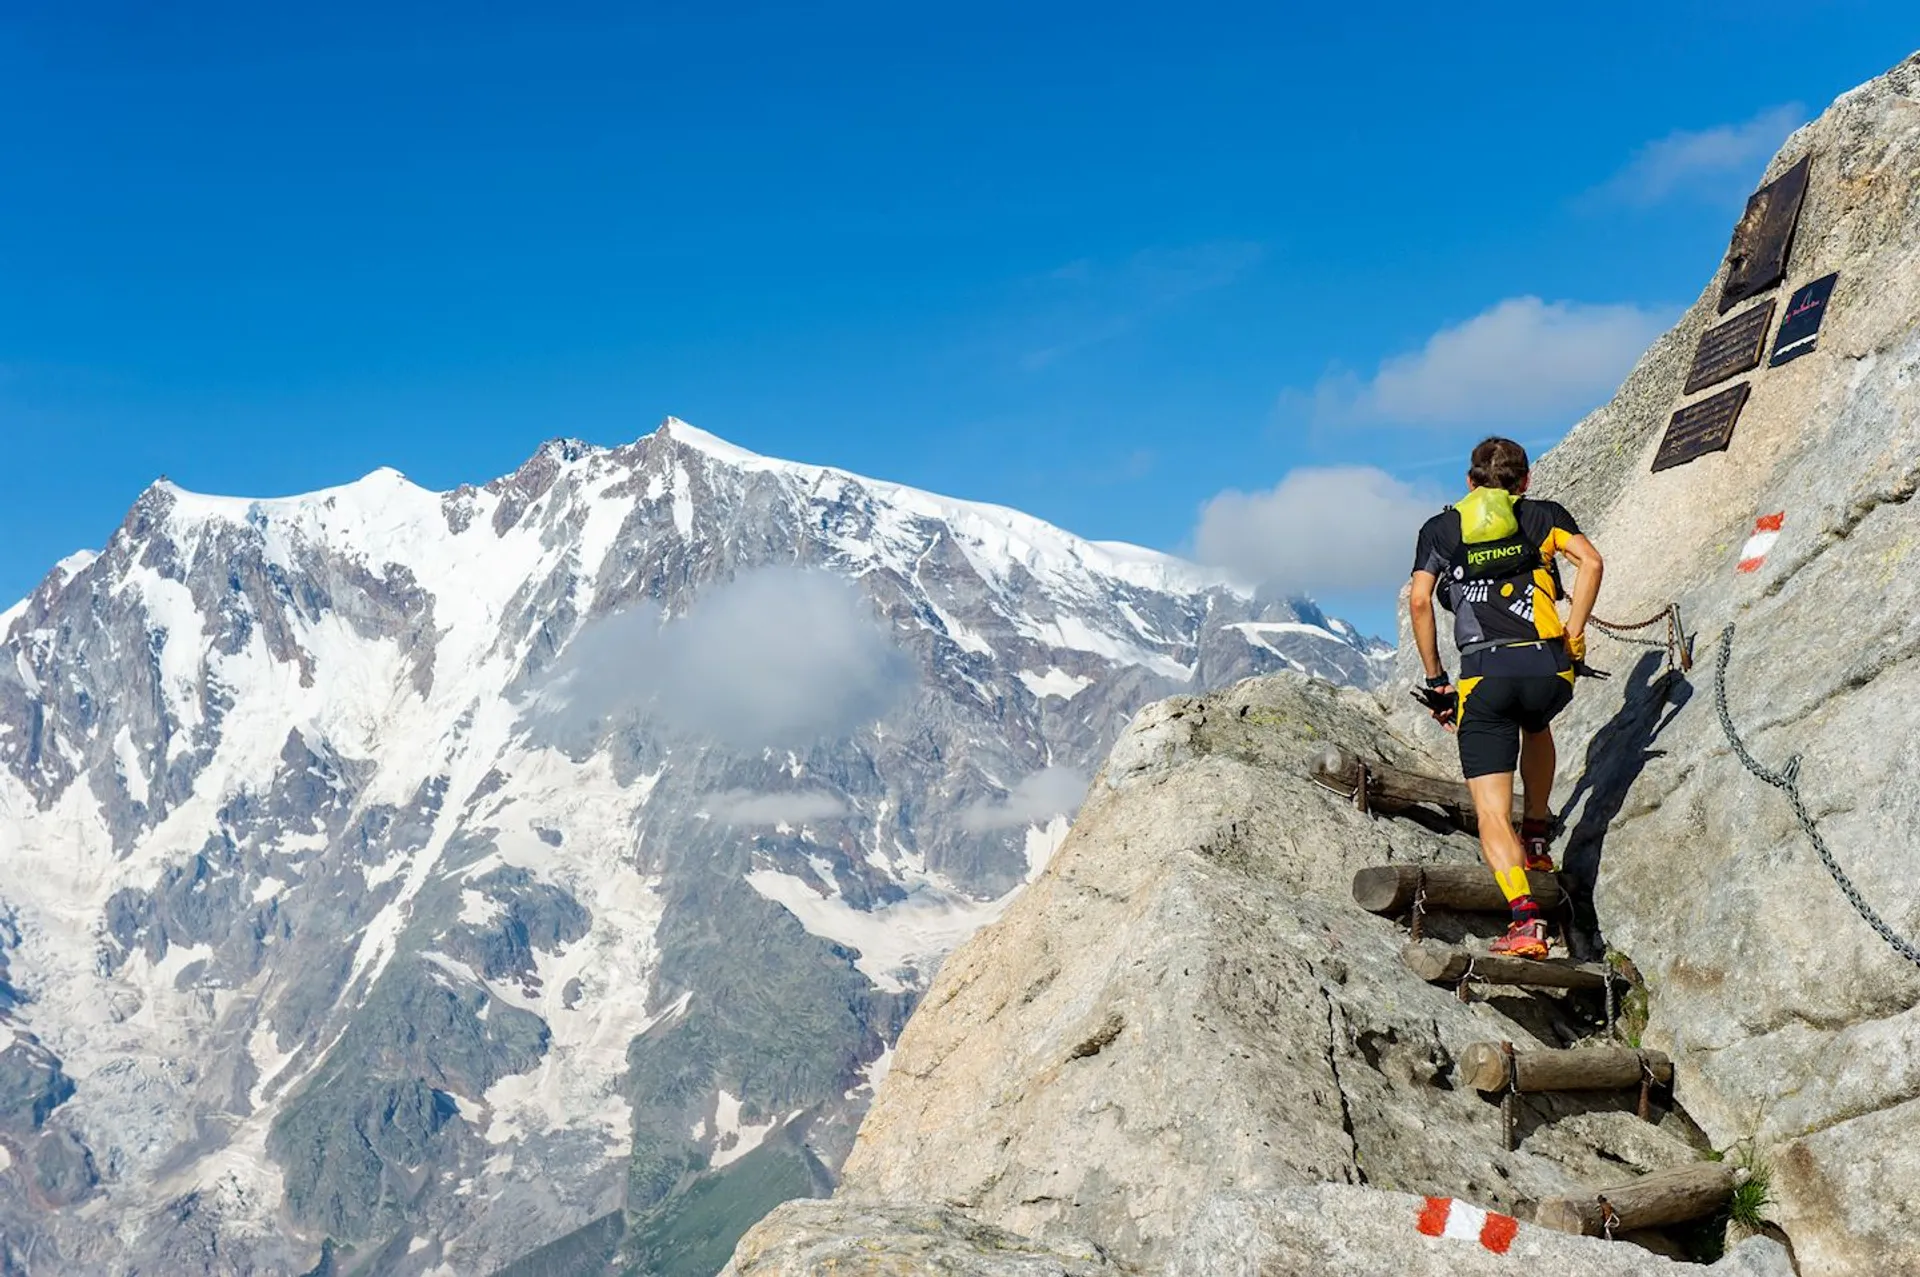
column 713, row 445
column 567, row 449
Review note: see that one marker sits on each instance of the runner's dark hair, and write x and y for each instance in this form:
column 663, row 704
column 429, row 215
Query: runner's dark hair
column 1498, row 463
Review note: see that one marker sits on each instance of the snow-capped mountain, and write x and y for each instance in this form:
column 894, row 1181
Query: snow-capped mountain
column 428, row 877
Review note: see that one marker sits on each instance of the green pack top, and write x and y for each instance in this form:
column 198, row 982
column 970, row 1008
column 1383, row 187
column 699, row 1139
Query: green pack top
column 1493, row 554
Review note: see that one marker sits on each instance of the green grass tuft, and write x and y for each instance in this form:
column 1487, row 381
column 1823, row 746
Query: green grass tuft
column 1752, row 1197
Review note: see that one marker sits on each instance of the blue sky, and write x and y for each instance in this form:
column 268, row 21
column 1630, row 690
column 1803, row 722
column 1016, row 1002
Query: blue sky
column 1100, row 262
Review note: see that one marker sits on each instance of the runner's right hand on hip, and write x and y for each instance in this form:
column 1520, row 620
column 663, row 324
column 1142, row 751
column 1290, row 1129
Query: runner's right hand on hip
column 1440, row 700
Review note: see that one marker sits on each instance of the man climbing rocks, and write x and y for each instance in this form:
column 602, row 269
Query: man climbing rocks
column 1491, row 556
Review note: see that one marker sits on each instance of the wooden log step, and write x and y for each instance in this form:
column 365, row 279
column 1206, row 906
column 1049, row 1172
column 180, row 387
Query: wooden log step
column 1652, row 1201
column 1440, row 963
column 1465, row 888
column 1393, row 789
column 1483, row 1066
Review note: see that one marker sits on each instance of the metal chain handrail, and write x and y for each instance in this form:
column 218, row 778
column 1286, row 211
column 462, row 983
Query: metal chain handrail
column 1787, row 781
column 1679, row 652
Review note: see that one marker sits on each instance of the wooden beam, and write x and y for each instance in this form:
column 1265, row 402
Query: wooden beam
column 1483, row 1066
column 1440, row 963
column 1652, row 1201
column 1464, row 888
column 1393, row 789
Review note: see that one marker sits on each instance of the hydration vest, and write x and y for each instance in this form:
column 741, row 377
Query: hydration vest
column 1495, row 570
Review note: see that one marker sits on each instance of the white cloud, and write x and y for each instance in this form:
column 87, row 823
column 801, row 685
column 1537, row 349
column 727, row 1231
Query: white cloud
column 780, row 656
column 1714, row 164
column 1337, row 528
column 794, row 807
column 1524, row 361
column 1036, row 798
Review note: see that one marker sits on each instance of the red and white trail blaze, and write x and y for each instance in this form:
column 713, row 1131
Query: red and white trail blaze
column 1766, row 530
column 1463, row 1221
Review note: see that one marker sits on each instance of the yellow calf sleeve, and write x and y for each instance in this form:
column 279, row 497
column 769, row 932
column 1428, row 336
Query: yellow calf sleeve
column 1513, row 882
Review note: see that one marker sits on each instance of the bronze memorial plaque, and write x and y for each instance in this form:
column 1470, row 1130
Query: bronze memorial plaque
column 1731, row 348
column 1700, row 428
column 1757, row 258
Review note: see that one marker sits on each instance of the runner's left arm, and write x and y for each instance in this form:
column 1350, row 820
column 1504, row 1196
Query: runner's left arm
column 1586, row 586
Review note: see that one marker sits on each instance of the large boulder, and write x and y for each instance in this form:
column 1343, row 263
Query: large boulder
column 806, row 1237
column 1188, row 1003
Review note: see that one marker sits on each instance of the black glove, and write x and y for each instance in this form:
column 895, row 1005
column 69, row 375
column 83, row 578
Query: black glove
column 1439, row 699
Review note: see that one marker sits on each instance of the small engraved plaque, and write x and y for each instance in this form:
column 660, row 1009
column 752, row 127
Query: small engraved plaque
column 1757, row 258
column 1800, row 330
column 1731, row 348
column 1700, row 428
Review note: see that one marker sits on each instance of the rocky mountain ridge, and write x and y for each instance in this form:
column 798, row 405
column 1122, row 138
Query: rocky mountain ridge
column 1185, row 1051
column 424, row 877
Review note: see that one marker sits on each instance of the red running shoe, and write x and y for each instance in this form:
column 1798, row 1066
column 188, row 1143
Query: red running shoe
column 1523, row 940
column 1539, row 859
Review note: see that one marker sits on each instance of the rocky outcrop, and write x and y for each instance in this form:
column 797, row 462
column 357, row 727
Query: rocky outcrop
column 1186, row 1046
column 1327, row 1230
column 902, row 1241
column 1189, row 1002
column 1184, row 1030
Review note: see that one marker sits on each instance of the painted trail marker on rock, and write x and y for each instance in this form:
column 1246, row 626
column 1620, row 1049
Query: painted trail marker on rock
column 1766, row 530
column 1729, row 349
column 1463, row 1221
column 1800, row 330
column 1703, row 427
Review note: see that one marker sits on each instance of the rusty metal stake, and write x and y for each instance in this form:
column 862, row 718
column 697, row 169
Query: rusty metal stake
column 1419, row 905
column 1509, row 1100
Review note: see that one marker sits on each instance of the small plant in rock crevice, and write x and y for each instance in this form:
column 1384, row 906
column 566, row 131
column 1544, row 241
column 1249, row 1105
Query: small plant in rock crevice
column 1751, row 1196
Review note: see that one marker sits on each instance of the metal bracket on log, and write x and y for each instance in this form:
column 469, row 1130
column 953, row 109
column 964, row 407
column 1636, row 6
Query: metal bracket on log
column 1653, row 1201
column 1390, row 889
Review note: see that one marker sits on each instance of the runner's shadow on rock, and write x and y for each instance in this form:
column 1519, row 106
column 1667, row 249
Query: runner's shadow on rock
column 1617, row 755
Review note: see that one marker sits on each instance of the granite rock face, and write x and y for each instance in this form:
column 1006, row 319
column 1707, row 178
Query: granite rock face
column 1187, row 1003
column 1342, row 1231
column 1327, row 1230
column 807, row 1237
column 1187, row 999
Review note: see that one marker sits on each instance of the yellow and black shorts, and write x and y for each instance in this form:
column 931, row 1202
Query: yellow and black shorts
column 1504, row 692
